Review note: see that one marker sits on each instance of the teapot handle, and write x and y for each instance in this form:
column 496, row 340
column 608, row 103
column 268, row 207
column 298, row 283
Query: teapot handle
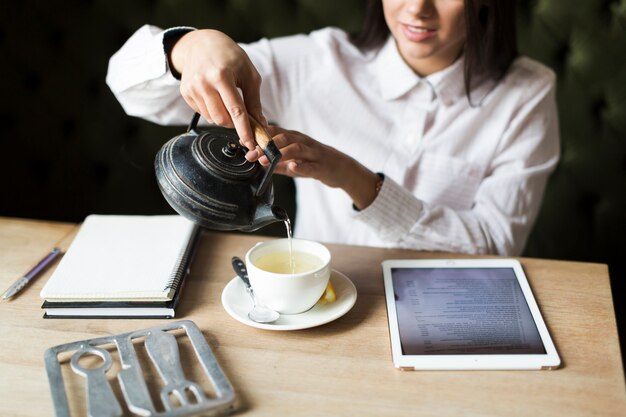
column 194, row 122
column 260, row 134
column 269, row 149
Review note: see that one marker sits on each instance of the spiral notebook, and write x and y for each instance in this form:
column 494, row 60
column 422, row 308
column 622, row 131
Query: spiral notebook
column 122, row 266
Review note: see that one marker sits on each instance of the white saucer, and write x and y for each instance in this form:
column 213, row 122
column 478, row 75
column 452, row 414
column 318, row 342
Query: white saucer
column 238, row 303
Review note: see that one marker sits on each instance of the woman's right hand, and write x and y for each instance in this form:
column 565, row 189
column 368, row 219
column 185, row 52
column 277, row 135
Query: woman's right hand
column 212, row 68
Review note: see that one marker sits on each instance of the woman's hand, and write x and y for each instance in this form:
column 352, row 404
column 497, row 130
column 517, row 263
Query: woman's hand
column 303, row 156
column 212, row 68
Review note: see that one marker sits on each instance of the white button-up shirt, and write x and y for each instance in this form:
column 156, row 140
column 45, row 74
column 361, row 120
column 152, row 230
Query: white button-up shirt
column 460, row 177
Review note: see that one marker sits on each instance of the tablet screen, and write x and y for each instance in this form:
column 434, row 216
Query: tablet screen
column 452, row 311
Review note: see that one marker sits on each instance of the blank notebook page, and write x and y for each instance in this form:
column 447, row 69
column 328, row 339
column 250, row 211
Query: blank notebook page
column 121, row 258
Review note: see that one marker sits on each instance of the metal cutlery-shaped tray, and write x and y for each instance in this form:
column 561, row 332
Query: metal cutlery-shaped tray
column 177, row 395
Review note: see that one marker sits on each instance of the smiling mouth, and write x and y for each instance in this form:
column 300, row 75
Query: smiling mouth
column 418, row 29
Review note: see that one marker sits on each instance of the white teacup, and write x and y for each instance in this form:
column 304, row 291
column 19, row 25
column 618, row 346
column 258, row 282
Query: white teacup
column 277, row 285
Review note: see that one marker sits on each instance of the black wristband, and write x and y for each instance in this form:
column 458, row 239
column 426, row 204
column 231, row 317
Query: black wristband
column 170, row 37
column 379, row 185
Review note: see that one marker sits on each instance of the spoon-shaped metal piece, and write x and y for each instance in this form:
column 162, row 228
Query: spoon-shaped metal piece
column 259, row 314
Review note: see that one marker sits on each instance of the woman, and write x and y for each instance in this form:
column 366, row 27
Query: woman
column 424, row 131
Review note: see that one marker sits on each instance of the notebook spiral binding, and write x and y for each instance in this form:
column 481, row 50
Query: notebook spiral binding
column 182, row 264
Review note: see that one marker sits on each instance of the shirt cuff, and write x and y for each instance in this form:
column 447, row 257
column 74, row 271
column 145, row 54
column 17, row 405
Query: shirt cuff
column 393, row 213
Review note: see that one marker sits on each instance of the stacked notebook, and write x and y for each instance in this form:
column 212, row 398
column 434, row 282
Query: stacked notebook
column 122, row 266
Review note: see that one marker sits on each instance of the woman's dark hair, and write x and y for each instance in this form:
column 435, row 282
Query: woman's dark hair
column 490, row 44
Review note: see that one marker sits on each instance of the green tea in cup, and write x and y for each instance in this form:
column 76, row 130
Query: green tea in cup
column 282, row 262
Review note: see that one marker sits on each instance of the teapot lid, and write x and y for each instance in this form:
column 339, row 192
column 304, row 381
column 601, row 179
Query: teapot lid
column 219, row 151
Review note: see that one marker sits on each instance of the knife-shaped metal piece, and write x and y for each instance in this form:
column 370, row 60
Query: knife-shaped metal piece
column 132, row 381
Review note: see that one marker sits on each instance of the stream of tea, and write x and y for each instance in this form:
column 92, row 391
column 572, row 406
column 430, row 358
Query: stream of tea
column 292, row 263
column 288, row 260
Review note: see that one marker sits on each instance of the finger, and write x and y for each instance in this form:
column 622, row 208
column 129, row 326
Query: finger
column 233, row 102
column 296, row 168
column 283, row 137
column 298, row 151
column 256, row 154
column 281, row 168
column 263, row 159
column 302, row 169
column 285, row 168
column 198, row 92
column 251, row 90
column 280, row 139
column 282, row 142
column 204, row 111
column 212, row 101
column 197, row 106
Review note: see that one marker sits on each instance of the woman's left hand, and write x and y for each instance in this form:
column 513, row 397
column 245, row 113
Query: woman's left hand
column 303, row 156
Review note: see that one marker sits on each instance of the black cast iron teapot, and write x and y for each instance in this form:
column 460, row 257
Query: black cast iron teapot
column 205, row 177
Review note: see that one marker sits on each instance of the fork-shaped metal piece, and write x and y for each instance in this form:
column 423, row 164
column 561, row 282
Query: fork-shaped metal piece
column 163, row 350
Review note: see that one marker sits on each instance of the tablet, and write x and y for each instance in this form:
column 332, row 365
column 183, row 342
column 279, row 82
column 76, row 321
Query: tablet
column 462, row 314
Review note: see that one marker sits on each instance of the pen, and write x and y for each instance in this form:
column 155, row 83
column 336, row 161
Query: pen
column 32, row 274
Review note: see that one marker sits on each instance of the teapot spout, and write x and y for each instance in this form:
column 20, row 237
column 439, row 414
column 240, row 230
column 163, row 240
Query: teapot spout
column 266, row 214
column 280, row 213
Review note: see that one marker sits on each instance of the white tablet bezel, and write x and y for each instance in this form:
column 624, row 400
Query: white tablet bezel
column 548, row 360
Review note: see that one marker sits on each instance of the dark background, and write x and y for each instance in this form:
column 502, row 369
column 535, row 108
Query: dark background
column 67, row 149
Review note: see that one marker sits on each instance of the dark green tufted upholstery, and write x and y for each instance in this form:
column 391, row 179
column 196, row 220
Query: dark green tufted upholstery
column 67, row 149
column 584, row 213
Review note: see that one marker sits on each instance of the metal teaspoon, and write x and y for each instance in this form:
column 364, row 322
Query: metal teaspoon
column 259, row 314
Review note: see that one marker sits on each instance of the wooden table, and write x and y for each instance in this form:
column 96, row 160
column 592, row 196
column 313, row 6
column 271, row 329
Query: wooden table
column 341, row 368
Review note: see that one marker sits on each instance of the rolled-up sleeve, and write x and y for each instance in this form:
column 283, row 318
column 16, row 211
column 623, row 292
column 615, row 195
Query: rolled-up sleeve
column 506, row 203
column 139, row 77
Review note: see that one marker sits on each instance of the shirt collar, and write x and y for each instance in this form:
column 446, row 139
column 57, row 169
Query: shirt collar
column 449, row 83
column 396, row 77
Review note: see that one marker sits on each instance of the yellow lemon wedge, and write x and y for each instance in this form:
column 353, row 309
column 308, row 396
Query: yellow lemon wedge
column 329, row 294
